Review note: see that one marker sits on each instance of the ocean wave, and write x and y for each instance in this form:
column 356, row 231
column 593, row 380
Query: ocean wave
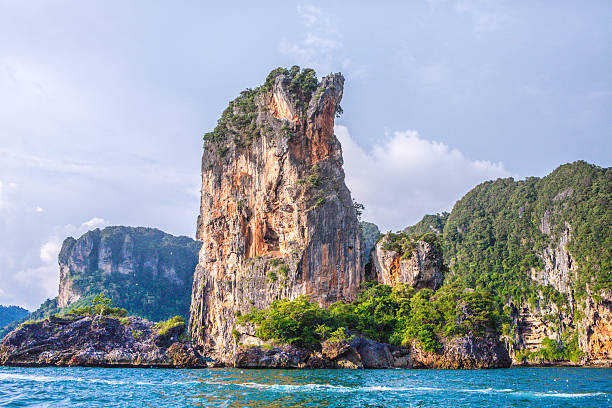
column 485, row 390
column 296, row 388
column 302, row 388
column 558, row 394
column 65, row 378
column 332, row 388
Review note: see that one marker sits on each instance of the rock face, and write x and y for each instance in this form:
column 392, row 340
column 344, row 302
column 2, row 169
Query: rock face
column 144, row 270
column 551, row 238
column 560, row 271
column 370, row 233
column 465, row 352
column 422, row 269
column 276, row 218
column 97, row 341
column 595, row 338
column 356, row 352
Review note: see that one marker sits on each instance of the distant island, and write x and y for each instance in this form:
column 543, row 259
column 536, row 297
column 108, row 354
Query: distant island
column 284, row 274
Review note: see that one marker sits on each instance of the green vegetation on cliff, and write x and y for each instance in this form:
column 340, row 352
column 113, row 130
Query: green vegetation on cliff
column 497, row 231
column 552, row 351
column 429, row 223
column 404, row 243
column 239, row 121
column 9, row 314
column 99, row 305
column 143, row 270
column 45, row 310
column 392, row 315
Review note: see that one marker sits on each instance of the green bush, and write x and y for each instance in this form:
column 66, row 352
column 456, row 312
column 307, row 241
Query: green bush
column 271, row 275
column 236, row 335
column 165, row 326
column 404, row 243
column 565, row 350
column 238, row 122
column 99, row 305
column 392, row 315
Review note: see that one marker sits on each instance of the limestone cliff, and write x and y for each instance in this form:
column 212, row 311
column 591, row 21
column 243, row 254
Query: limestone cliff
column 543, row 245
column 144, row 270
column 420, row 268
column 276, row 219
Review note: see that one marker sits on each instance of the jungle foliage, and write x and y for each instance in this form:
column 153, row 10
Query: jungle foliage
column 496, row 233
column 396, row 315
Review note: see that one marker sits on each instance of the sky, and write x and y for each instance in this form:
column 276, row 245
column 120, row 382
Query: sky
column 103, row 105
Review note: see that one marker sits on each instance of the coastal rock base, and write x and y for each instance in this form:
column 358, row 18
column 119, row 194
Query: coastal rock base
column 98, row 341
column 360, row 352
column 463, row 353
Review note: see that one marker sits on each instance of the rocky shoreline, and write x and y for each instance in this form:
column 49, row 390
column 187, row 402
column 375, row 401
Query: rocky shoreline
column 87, row 341
column 132, row 342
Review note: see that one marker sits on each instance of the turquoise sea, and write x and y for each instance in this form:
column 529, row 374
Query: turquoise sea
column 104, row 387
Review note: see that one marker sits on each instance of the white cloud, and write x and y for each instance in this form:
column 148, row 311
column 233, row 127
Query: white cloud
column 404, row 176
column 34, row 278
column 50, row 250
column 94, row 223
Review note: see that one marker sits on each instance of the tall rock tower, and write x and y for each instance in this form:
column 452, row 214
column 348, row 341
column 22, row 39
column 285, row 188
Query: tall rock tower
column 276, row 218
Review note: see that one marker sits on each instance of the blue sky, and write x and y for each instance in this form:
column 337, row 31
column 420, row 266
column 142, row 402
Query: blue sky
column 103, row 105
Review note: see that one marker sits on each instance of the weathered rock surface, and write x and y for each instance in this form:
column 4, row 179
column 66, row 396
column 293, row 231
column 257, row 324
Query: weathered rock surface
column 370, row 233
column 97, row 341
column 360, row 352
column 595, row 331
column 144, row 270
column 465, row 352
column 276, row 218
column 548, row 320
column 422, row 269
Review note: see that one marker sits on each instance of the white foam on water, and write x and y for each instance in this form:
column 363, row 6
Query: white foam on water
column 333, row 388
column 552, row 394
column 46, row 378
column 380, row 388
column 486, row 390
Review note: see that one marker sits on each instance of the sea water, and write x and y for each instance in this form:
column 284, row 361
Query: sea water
column 125, row 387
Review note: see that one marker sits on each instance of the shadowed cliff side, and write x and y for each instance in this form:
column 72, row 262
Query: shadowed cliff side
column 276, row 218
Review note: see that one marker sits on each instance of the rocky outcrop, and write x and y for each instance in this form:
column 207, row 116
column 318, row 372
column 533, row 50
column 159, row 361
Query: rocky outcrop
column 545, row 245
column 370, row 233
column 144, row 270
column 276, row 218
column 421, row 269
column 98, row 342
column 595, row 330
column 548, row 319
column 559, row 268
column 464, row 352
column 356, row 352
